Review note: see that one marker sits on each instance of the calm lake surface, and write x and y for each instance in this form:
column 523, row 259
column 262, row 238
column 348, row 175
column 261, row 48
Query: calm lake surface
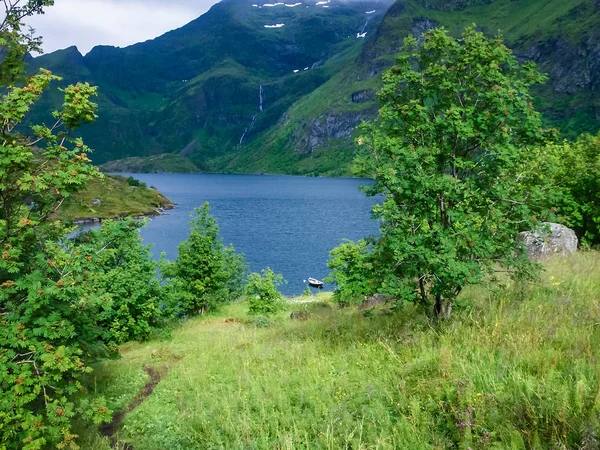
column 287, row 223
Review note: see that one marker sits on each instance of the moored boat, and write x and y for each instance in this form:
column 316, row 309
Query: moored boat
column 313, row 282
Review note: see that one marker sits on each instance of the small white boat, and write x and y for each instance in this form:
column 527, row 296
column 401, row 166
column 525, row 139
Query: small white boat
column 313, row 282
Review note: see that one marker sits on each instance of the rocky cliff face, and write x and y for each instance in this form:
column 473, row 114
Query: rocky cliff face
column 329, row 127
column 573, row 88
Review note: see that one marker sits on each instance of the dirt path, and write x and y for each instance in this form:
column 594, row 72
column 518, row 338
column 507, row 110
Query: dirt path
column 109, row 429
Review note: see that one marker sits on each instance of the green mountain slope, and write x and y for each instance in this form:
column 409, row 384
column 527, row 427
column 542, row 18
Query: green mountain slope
column 232, row 95
column 207, row 88
column 559, row 35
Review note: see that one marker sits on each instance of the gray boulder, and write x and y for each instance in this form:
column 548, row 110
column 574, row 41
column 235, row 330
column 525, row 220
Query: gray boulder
column 97, row 202
column 300, row 315
column 550, row 239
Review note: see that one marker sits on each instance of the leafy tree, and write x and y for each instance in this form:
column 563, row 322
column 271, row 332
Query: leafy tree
column 263, row 296
column 56, row 317
column 451, row 153
column 49, row 333
column 126, row 276
column 206, row 273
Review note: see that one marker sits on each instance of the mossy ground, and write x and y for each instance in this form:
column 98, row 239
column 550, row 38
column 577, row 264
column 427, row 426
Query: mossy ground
column 118, row 198
column 517, row 367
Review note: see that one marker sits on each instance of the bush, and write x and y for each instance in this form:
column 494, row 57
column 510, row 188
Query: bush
column 49, row 318
column 206, row 274
column 263, row 296
column 126, row 274
column 135, row 182
column 578, row 179
column 351, row 272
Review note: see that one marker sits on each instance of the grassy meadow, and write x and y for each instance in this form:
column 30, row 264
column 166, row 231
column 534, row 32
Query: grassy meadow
column 517, row 367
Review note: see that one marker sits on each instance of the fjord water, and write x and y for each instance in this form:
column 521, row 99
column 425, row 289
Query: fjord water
column 287, row 223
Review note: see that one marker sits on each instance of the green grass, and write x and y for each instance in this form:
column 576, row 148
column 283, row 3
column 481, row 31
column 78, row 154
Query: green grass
column 517, row 367
column 118, row 200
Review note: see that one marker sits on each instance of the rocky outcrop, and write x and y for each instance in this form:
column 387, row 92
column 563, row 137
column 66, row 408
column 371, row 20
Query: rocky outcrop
column 364, row 95
column 551, row 239
column 422, row 25
column 318, row 131
column 572, row 67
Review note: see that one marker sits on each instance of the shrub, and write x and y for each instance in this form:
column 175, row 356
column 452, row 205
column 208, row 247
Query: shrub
column 126, row 274
column 206, row 274
column 135, row 182
column 261, row 321
column 351, row 272
column 263, row 296
column 49, row 330
column 578, row 179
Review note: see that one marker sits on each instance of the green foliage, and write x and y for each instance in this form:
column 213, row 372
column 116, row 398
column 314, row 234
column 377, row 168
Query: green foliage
column 49, row 336
column 135, row 182
column 578, row 177
column 307, row 292
column 261, row 320
column 126, row 275
column 452, row 154
column 351, row 270
column 206, row 274
column 64, row 304
column 49, row 333
column 263, row 296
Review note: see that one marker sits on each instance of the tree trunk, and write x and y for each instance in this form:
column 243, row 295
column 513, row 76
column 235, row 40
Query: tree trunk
column 442, row 308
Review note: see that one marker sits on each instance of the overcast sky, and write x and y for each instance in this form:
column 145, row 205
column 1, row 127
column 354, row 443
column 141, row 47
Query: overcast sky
column 86, row 23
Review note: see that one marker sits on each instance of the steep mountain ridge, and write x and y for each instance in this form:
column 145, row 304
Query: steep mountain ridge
column 208, row 87
column 230, row 90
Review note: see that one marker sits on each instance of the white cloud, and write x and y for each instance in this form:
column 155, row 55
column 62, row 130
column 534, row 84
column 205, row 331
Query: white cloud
column 86, row 23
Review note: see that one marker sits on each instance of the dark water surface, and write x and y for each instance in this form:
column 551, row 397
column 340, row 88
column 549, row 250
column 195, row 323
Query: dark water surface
column 287, row 223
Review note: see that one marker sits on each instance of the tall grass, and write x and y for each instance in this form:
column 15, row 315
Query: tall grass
column 517, row 367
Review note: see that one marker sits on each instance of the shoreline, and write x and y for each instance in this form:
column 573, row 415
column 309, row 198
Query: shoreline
column 98, row 220
column 239, row 174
